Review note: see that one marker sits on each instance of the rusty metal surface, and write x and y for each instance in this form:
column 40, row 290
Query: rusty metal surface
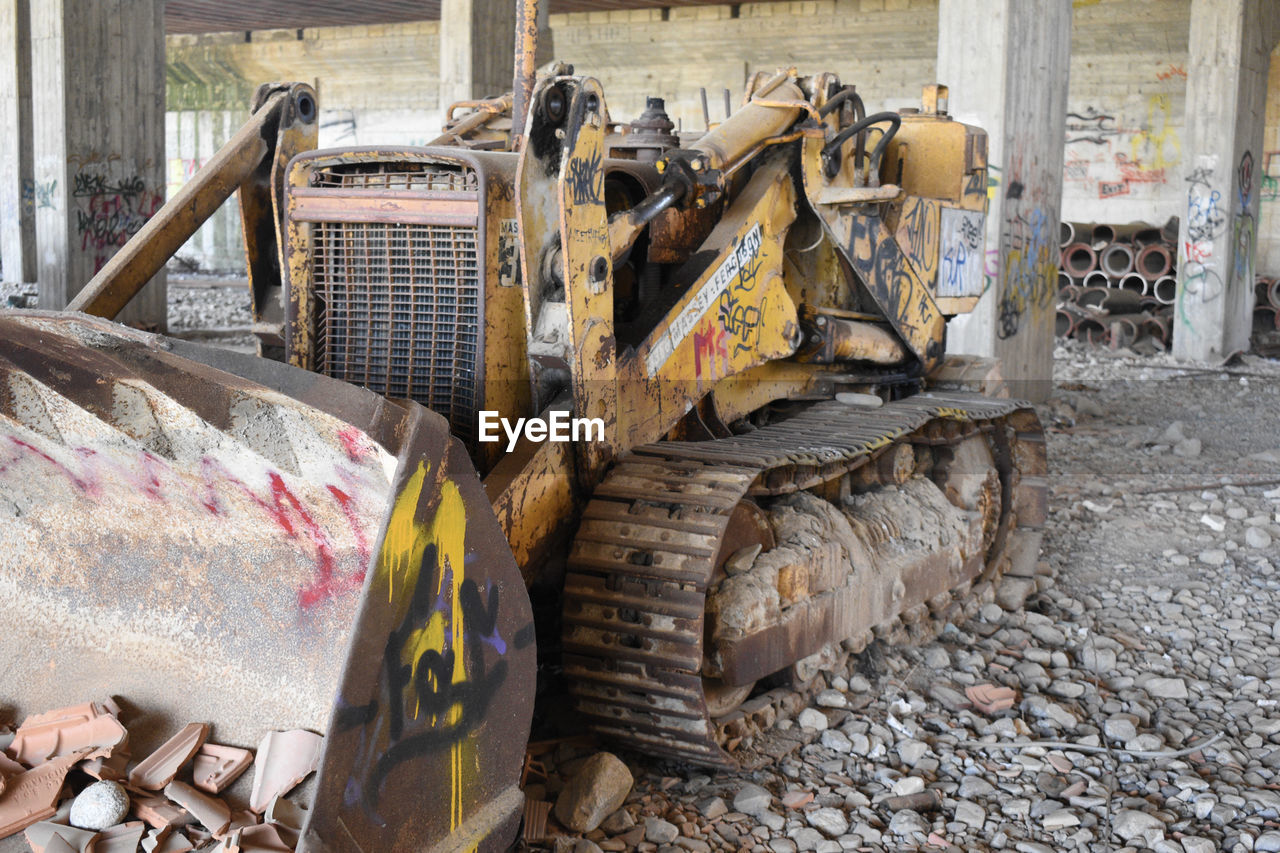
column 650, row 540
column 218, row 537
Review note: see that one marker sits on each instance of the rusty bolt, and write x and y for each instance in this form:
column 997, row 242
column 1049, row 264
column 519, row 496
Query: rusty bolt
column 697, row 164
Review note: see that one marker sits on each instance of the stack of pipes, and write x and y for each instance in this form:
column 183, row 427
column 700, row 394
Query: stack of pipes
column 1266, row 316
column 1117, row 283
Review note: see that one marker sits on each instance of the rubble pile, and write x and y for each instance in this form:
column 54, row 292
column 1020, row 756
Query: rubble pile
column 66, row 783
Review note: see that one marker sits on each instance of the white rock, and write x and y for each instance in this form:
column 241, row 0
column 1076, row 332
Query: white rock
column 832, row 699
column 1216, row 523
column 1196, row 844
column 1213, row 557
column 1060, row 819
column 101, row 805
column 836, row 740
column 830, row 822
column 971, row 813
column 1166, row 688
column 811, row 718
column 1132, row 824
column 908, row 785
column 1267, row 842
column 752, row 800
column 1256, row 537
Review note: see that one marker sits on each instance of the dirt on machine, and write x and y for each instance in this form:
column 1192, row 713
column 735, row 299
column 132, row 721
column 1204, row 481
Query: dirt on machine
column 783, row 463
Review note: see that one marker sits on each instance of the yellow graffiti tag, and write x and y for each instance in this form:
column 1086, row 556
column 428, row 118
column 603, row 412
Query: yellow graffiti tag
column 1157, row 146
column 404, row 544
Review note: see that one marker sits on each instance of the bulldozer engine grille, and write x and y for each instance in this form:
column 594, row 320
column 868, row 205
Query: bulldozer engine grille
column 402, row 176
column 399, row 313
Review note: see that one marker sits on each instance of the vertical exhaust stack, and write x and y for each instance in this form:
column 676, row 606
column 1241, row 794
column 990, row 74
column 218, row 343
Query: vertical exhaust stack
column 525, row 66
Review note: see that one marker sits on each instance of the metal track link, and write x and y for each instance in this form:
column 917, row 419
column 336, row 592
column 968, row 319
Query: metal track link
column 644, row 556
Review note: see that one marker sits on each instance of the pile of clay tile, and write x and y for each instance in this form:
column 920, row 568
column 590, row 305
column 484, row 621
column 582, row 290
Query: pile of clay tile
column 167, row 803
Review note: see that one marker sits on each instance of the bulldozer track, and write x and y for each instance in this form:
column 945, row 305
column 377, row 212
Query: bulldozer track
column 645, row 556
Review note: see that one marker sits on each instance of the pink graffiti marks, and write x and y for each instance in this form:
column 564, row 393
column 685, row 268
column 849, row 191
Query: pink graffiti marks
column 711, row 348
column 109, row 212
column 1171, row 72
column 88, row 471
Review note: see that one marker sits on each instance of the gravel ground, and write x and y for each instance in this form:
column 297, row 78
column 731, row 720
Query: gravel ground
column 1160, row 636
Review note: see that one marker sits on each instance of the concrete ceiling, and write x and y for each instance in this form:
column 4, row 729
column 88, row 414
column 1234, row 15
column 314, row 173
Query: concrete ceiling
column 214, row 16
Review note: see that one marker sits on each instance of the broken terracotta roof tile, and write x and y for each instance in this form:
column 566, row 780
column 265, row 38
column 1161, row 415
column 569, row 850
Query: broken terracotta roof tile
column 216, row 766
column 158, row 769
column 287, row 817
column 110, row 767
column 263, row 838
column 284, row 759
column 121, row 838
column 210, row 811
column 58, row 844
column 30, row 796
column 990, row 699
column 65, row 731
column 8, row 768
column 158, row 812
column 41, row 836
column 166, row 842
column 154, row 837
column 241, row 818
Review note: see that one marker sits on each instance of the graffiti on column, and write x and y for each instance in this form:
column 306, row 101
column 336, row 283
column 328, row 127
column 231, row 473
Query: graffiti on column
column 109, row 210
column 1028, row 254
column 1201, row 280
column 1243, row 231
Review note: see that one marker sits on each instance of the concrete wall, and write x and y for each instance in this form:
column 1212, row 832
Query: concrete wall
column 1268, row 260
column 378, row 84
column 1125, row 106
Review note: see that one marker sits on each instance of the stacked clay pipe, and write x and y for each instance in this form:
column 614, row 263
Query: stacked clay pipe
column 1117, row 283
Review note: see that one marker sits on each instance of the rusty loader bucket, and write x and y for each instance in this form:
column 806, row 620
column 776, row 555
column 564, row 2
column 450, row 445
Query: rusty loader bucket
column 215, row 538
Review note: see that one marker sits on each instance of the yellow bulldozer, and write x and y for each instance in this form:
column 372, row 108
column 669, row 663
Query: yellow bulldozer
column 688, row 391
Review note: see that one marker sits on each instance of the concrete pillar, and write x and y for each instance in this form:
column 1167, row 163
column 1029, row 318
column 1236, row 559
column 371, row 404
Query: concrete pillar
column 476, row 49
column 18, row 191
column 1230, row 47
column 98, row 78
column 1006, row 63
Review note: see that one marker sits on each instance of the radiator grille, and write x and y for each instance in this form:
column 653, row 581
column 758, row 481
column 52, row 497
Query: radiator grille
column 397, row 176
column 399, row 312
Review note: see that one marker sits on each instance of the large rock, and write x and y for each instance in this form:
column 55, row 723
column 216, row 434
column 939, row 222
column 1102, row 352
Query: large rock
column 597, row 791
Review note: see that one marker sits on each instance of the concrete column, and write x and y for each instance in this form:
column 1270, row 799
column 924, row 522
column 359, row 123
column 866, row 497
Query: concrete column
column 18, row 191
column 98, row 78
column 476, row 49
column 1006, row 63
column 1230, row 47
